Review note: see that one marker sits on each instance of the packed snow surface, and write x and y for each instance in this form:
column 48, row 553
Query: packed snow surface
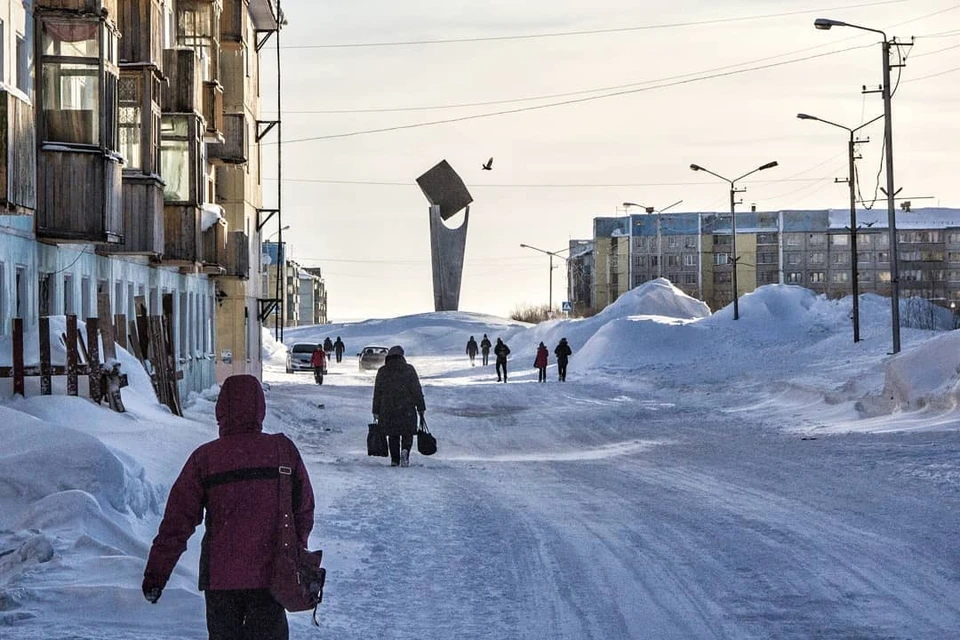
column 696, row 477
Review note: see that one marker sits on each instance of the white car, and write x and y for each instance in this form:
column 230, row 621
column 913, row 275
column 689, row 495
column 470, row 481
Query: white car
column 372, row 357
column 299, row 357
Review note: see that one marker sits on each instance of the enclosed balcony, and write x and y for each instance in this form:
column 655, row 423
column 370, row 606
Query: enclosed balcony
column 141, row 24
column 198, row 28
column 77, row 128
column 238, row 255
column 181, row 159
column 184, row 93
column 213, row 112
column 182, row 236
column 234, row 21
column 89, row 7
column 214, row 229
column 18, row 161
column 235, row 148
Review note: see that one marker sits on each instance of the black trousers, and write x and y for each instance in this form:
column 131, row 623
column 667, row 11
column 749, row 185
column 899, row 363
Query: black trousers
column 339, row 356
column 399, row 442
column 562, row 370
column 501, row 364
column 542, row 374
column 486, row 358
column 245, row 614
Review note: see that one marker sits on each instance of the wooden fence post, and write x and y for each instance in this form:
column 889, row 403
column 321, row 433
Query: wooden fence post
column 93, row 359
column 18, row 387
column 72, row 355
column 46, row 383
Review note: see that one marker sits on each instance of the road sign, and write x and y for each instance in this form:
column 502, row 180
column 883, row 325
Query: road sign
column 566, row 307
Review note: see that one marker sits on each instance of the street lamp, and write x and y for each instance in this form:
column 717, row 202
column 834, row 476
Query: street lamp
column 551, row 254
column 649, row 210
column 885, row 91
column 280, row 230
column 851, row 181
column 733, row 222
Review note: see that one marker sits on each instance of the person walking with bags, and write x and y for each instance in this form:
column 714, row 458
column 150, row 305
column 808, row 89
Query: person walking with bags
column 563, row 353
column 338, row 349
column 485, row 349
column 230, row 484
column 472, row 350
column 540, row 362
column 397, row 399
column 319, row 362
column 501, row 351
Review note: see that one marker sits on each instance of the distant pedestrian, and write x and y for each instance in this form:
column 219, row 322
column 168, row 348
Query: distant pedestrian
column 231, row 485
column 541, row 362
column 501, row 351
column 397, row 399
column 485, row 349
column 563, row 353
column 472, row 350
column 339, row 348
column 328, row 346
column 319, row 362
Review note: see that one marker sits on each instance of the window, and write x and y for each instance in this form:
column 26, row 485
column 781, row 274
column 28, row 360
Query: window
column 883, row 276
column 690, row 242
column 198, row 27
column 818, row 239
column 794, row 240
column 3, row 51
column 689, row 279
column 768, row 277
column 721, row 258
column 69, row 304
column 817, row 257
column 722, row 241
column 839, row 258
column 673, row 242
column 817, row 277
column 840, row 277
column 21, row 291
column 673, row 261
column 794, row 277
column 766, row 238
column 45, row 294
column 768, row 257
column 23, row 64
column 883, row 256
column 722, row 277
column 180, row 159
column 74, row 92
column 129, row 97
column 794, row 258
column 864, row 240
column 84, row 298
column 840, row 240
column 690, row 260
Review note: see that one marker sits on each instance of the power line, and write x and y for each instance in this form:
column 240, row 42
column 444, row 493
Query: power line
column 563, row 34
column 614, row 94
column 540, row 186
column 933, row 75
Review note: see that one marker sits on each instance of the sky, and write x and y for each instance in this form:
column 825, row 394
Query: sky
column 611, row 102
column 695, row 477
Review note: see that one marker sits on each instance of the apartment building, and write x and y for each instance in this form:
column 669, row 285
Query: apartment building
column 313, row 296
column 128, row 169
column 808, row 248
column 580, row 273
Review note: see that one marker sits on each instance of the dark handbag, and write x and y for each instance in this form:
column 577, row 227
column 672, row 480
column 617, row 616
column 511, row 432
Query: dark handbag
column 426, row 443
column 297, row 578
column 377, row 441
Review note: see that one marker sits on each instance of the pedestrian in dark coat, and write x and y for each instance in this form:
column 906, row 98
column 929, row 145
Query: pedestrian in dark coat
column 397, row 399
column 472, row 350
column 541, row 362
column 328, row 346
column 563, row 353
column 339, row 348
column 501, row 351
column 485, row 349
column 231, row 485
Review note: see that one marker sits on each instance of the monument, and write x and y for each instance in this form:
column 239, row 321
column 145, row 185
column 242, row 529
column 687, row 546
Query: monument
column 447, row 195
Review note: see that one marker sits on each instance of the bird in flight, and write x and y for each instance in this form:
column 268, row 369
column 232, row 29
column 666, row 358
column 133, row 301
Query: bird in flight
column 488, row 166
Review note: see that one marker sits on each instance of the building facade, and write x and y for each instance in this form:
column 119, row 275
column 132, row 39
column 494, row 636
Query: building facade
column 127, row 170
column 580, row 274
column 807, row 248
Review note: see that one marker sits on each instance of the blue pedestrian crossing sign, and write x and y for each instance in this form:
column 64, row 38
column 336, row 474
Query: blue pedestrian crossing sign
column 566, row 307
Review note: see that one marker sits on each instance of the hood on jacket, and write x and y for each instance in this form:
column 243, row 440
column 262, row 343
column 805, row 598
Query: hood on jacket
column 241, row 405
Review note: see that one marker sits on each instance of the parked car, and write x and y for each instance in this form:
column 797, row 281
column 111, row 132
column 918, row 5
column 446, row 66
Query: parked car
column 299, row 355
column 372, row 357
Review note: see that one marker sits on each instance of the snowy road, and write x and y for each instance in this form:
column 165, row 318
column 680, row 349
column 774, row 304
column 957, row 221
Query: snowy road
column 578, row 511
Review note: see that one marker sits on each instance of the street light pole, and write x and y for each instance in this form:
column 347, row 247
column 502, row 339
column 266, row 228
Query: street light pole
column 885, row 91
column 851, row 182
column 649, row 210
column 551, row 254
column 733, row 222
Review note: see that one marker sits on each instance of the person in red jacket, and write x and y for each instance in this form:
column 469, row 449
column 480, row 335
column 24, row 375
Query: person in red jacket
column 319, row 362
column 541, row 362
column 230, row 484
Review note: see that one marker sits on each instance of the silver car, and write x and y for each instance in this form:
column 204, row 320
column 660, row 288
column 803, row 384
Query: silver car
column 372, row 357
column 299, row 357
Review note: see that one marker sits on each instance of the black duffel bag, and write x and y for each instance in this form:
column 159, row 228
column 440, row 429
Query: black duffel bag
column 377, row 441
column 426, row 443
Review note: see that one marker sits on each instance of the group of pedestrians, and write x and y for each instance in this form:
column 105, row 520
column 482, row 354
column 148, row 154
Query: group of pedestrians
column 321, row 354
column 501, row 351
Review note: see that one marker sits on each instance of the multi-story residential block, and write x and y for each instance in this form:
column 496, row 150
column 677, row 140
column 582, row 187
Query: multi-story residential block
column 808, row 248
column 580, row 269
column 127, row 170
column 313, row 296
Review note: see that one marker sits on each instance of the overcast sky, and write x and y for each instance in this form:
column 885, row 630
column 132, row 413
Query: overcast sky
column 631, row 93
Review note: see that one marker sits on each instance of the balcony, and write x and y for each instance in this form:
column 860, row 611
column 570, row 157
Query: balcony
column 107, row 7
column 215, row 247
column 185, row 91
column 213, row 111
column 238, row 255
column 66, row 213
column 264, row 14
column 234, row 21
column 141, row 23
column 18, row 161
column 182, row 234
column 142, row 217
column 235, row 146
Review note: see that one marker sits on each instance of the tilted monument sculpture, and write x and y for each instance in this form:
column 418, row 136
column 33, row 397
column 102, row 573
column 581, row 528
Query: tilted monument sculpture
column 447, row 196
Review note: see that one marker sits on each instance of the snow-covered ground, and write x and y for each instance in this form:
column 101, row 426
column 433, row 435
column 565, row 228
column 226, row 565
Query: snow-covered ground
column 696, row 477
